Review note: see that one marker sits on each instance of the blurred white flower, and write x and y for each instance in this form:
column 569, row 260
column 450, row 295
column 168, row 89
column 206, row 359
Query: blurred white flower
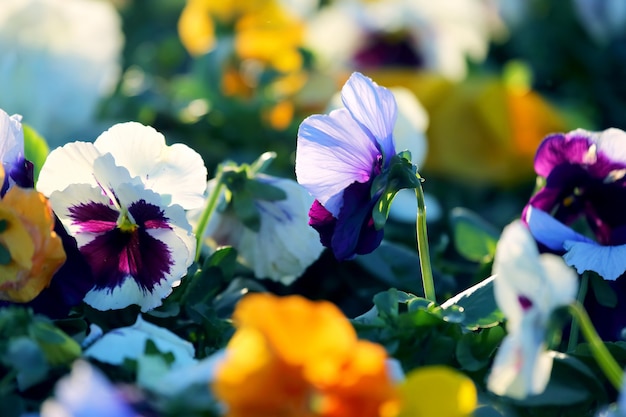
column 59, row 58
column 528, row 288
column 434, row 35
column 602, row 19
column 130, row 343
column 284, row 247
column 86, row 392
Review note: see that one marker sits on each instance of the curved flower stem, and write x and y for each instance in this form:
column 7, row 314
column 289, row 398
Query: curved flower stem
column 582, row 291
column 422, row 246
column 605, row 360
column 208, row 212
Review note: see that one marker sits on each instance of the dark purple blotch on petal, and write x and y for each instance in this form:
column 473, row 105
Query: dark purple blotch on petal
column 524, row 302
column 117, row 255
column 353, row 232
column 94, row 217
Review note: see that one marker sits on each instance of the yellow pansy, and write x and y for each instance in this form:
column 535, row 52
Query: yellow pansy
column 35, row 252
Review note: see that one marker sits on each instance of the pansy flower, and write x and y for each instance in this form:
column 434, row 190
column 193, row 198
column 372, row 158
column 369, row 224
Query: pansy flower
column 30, row 250
column 293, row 357
column 339, row 156
column 85, row 391
column 124, row 201
column 284, row 245
column 17, row 169
column 528, row 288
column 585, row 184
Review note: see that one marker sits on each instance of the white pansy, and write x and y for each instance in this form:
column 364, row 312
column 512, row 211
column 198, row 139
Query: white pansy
column 528, row 287
column 285, row 244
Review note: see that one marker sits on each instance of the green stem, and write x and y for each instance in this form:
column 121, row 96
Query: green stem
column 582, row 291
column 422, row 246
column 605, row 360
column 211, row 204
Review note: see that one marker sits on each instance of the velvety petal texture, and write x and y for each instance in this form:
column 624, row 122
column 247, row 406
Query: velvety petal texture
column 338, row 157
column 528, row 287
column 136, row 241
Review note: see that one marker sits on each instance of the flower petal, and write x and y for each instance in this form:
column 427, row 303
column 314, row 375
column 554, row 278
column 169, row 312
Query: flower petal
column 55, row 174
column 177, row 171
column 332, row 153
column 550, row 232
column 130, row 343
column 374, row 107
column 607, row 261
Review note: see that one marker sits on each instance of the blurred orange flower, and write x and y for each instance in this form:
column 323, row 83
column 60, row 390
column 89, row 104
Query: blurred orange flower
column 295, row 357
column 31, row 250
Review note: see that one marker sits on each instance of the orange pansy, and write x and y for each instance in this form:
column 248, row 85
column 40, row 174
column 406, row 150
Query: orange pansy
column 295, row 357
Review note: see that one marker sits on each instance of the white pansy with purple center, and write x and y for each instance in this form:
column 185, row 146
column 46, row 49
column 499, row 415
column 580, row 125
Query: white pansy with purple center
column 124, row 198
column 528, row 287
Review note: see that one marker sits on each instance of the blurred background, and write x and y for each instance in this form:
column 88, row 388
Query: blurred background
column 479, row 84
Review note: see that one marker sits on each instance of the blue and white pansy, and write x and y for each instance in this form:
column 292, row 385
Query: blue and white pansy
column 528, row 288
column 123, row 198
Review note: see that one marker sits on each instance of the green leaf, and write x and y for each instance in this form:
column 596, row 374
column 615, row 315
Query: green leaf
column 474, row 238
column 260, row 190
column 400, row 174
column 246, row 211
column 478, row 304
column 36, row 149
column 605, row 295
column 395, row 265
column 387, row 303
column 475, row 349
column 57, row 346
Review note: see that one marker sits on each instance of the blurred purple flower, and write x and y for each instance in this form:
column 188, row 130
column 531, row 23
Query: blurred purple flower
column 339, row 156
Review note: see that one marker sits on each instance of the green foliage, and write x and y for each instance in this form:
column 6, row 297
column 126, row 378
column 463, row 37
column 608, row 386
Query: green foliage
column 35, row 149
column 474, row 238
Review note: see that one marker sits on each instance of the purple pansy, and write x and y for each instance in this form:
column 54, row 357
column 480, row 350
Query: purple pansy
column 585, row 185
column 18, row 170
column 585, row 191
column 124, row 202
column 339, row 156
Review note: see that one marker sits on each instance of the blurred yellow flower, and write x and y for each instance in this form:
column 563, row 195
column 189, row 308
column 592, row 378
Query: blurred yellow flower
column 437, row 391
column 32, row 250
column 266, row 47
column 295, row 357
column 482, row 130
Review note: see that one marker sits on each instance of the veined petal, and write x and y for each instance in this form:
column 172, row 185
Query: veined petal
column 177, row 171
column 67, row 165
column 11, row 140
column 374, row 107
column 332, row 153
column 607, row 261
column 563, row 148
column 549, row 231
